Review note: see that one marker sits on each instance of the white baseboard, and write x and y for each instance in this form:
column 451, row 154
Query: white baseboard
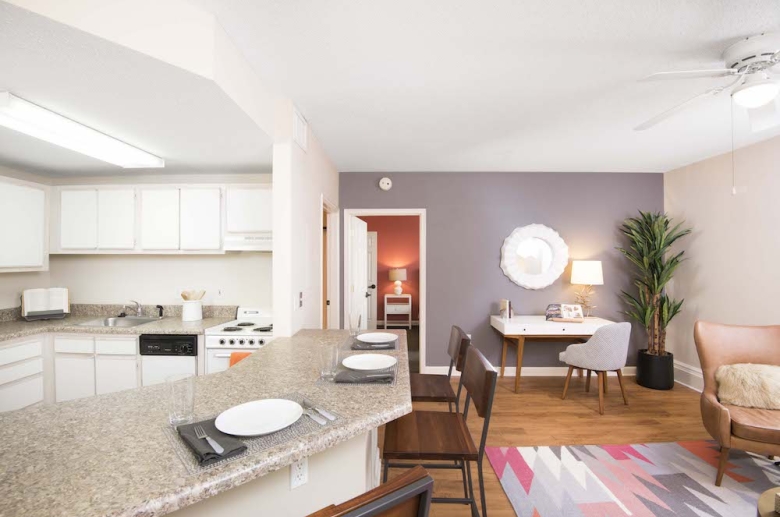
column 688, row 375
column 528, row 371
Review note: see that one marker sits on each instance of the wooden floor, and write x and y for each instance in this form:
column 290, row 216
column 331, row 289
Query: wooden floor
column 538, row 416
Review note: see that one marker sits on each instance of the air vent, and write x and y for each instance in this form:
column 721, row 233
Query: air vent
column 300, row 130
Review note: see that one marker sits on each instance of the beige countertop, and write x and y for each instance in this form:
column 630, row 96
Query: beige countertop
column 108, row 455
column 71, row 324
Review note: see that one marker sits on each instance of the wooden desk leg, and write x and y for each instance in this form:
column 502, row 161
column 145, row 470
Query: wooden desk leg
column 520, row 346
column 503, row 357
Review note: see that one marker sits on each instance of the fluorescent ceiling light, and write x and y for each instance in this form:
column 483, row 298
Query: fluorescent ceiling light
column 754, row 93
column 38, row 122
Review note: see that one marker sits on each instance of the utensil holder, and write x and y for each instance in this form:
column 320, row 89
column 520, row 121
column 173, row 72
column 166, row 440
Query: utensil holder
column 192, row 310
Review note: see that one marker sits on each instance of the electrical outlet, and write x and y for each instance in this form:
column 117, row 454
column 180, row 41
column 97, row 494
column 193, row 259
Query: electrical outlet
column 299, row 473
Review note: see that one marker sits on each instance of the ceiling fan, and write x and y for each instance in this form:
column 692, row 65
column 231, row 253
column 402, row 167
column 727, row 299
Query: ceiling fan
column 749, row 62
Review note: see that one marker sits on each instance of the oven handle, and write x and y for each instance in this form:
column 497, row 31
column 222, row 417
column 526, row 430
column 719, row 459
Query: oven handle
column 227, row 356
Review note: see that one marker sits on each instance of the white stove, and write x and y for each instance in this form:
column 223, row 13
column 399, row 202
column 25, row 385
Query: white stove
column 252, row 329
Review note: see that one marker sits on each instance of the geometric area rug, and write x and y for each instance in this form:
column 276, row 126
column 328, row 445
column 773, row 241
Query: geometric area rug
column 651, row 479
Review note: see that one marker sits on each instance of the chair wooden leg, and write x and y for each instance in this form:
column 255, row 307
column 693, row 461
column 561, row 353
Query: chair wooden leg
column 566, row 384
column 722, row 462
column 622, row 388
column 601, row 391
column 587, row 383
column 606, row 378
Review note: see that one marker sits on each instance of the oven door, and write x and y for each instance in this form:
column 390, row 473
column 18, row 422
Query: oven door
column 218, row 359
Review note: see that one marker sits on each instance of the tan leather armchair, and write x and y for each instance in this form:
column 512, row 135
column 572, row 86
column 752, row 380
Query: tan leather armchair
column 734, row 427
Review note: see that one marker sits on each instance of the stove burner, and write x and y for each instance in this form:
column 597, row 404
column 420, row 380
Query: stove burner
column 264, row 329
column 231, row 329
column 245, row 324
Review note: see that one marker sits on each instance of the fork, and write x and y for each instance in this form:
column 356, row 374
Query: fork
column 201, row 434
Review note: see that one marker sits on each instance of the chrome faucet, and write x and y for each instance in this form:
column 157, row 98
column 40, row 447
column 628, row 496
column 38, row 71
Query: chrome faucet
column 138, row 311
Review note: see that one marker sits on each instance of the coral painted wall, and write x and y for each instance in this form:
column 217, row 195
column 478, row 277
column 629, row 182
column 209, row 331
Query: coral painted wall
column 398, row 245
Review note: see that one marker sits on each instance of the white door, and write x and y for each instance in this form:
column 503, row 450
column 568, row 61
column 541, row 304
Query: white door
column 201, row 224
column 371, row 264
column 115, row 373
column 79, row 219
column 160, row 219
column 249, row 209
column 358, row 274
column 22, row 220
column 116, row 219
column 74, row 376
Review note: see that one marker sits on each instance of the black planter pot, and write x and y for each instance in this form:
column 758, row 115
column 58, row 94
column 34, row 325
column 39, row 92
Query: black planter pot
column 655, row 371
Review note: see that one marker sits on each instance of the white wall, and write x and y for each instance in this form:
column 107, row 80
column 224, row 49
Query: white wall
column 733, row 272
column 301, row 180
column 230, row 279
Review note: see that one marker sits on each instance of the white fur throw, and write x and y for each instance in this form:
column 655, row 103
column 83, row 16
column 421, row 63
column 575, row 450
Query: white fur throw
column 749, row 385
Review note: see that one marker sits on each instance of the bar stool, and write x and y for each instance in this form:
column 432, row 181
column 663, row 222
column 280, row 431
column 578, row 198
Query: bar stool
column 437, row 388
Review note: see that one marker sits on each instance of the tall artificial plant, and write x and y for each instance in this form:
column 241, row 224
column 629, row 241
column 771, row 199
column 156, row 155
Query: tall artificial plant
column 650, row 237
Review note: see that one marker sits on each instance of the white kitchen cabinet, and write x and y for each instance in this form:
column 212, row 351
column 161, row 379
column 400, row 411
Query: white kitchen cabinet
column 201, row 222
column 21, row 375
column 22, row 226
column 79, row 219
column 116, row 219
column 160, row 219
column 249, row 209
column 115, row 373
column 74, row 376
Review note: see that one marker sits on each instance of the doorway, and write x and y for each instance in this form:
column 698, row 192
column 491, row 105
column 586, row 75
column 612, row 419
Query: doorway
column 384, row 274
column 329, row 266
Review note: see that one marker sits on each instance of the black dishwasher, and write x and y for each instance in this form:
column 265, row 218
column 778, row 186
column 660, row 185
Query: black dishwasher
column 166, row 356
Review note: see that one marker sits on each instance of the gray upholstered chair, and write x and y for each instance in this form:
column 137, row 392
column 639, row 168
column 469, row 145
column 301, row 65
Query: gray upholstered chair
column 606, row 351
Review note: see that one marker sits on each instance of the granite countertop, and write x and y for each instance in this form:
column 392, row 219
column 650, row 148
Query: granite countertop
column 70, row 324
column 108, row 455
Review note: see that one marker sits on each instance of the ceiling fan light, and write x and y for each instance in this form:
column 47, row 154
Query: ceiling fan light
column 756, row 93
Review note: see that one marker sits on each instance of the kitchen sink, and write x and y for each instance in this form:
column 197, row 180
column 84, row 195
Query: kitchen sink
column 127, row 321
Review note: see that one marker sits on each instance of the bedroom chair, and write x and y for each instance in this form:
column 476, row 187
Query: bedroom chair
column 437, row 388
column 606, row 351
column 733, row 427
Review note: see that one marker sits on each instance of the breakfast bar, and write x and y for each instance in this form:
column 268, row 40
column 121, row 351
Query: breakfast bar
column 112, row 454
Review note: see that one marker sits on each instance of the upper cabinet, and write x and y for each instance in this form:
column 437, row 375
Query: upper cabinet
column 160, row 219
column 201, row 221
column 23, row 226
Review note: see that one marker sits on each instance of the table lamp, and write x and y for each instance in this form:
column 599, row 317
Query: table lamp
column 586, row 273
column 398, row 275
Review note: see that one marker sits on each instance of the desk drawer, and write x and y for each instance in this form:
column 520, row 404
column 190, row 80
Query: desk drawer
column 398, row 308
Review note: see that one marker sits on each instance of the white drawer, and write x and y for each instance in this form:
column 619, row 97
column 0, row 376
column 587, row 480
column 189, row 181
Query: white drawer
column 116, row 346
column 21, row 394
column 398, row 308
column 18, row 371
column 20, row 352
column 74, row 345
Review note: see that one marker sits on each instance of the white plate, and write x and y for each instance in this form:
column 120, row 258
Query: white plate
column 367, row 362
column 259, row 417
column 377, row 337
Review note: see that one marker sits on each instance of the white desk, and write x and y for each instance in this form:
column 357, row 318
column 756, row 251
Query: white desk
column 401, row 306
column 518, row 329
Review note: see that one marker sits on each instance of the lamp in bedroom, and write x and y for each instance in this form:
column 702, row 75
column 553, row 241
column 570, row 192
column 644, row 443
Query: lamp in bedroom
column 398, row 275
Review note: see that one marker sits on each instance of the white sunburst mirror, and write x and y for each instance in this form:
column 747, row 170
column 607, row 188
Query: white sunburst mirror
column 534, row 256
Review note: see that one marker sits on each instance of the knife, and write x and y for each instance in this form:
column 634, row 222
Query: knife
column 322, row 412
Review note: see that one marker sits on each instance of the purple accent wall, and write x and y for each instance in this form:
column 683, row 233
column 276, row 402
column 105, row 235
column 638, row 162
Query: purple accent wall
column 468, row 217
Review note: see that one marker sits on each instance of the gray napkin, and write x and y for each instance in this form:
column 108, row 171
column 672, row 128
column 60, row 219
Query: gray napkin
column 201, row 448
column 353, row 377
column 359, row 345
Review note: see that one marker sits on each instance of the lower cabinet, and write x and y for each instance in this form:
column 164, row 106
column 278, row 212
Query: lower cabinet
column 21, row 373
column 87, row 366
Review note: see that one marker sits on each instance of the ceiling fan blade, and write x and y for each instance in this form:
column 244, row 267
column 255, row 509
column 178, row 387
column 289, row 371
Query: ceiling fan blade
column 680, row 107
column 691, row 74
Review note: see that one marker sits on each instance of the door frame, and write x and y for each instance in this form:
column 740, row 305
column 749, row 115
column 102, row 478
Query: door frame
column 372, row 270
column 367, row 212
column 331, row 211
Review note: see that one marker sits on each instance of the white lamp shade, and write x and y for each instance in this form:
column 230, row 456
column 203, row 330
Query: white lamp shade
column 398, row 274
column 586, row 272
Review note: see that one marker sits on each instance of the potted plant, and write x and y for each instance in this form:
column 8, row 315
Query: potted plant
column 651, row 236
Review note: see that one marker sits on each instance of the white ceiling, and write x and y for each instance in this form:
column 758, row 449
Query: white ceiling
column 179, row 116
column 505, row 85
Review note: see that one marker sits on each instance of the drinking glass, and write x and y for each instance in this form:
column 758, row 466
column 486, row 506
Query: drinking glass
column 354, row 324
column 181, row 398
column 329, row 360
